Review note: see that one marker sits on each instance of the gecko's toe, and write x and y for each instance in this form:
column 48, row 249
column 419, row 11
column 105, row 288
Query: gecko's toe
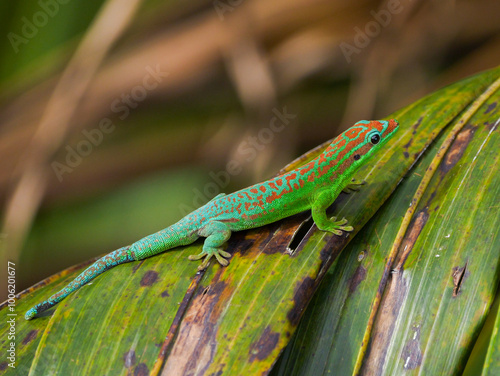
column 196, row 257
column 342, row 222
column 224, row 254
column 219, row 256
column 205, row 262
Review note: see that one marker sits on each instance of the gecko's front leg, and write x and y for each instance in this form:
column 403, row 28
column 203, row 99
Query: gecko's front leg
column 353, row 186
column 318, row 210
column 216, row 233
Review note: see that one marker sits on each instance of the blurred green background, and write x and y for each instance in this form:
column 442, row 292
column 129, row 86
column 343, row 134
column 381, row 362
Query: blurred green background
column 115, row 121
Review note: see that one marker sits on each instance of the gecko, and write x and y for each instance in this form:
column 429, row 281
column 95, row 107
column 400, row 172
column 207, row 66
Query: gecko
column 313, row 186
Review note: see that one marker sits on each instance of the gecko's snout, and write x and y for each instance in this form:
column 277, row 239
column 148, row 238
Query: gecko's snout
column 393, row 125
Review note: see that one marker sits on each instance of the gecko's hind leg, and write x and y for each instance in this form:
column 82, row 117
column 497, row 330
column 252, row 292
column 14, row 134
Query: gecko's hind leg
column 216, row 233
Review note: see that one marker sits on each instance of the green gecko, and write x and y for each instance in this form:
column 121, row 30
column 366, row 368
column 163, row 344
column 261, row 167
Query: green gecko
column 313, row 186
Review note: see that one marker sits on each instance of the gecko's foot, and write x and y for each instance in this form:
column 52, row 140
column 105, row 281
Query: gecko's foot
column 219, row 254
column 353, row 186
column 337, row 227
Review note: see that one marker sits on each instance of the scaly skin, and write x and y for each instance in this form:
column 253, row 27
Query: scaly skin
column 313, row 186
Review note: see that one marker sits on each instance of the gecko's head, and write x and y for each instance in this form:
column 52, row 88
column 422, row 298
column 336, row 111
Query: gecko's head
column 351, row 148
column 366, row 137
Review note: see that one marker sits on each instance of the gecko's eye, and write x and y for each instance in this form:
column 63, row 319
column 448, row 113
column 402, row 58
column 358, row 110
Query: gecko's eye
column 375, row 139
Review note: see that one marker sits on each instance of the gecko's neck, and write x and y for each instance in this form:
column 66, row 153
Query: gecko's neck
column 331, row 165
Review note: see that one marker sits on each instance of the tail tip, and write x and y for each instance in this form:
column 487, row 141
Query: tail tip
column 30, row 314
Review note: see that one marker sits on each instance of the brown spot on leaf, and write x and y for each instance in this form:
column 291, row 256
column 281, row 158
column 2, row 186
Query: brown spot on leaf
column 410, row 239
column 490, row 107
column 141, row 370
column 303, row 294
column 194, row 346
column 129, row 359
column 358, row 277
column 29, row 337
column 149, row 278
column 458, row 148
column 385, row 323
column 165, row 294
column 408, row 144
column 265, row 345
column 3, row 366
column 491, row 125
column 459, row 275
column 412, row 354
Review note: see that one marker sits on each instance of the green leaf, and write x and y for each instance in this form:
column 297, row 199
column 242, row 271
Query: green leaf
column 410, row 292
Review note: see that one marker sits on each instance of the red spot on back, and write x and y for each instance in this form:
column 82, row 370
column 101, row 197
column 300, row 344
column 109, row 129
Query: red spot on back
column 305, row 169
column 254, row 190
column 262, row 188
column 274, row 196
column 257, row 215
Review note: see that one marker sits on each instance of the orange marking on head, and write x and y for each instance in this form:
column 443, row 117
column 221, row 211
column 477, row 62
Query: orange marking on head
column 377, row 125
column 352, row 133
column 339, row 142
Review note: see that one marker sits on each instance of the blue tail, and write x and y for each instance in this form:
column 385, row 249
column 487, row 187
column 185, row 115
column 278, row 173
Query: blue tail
column 120, row 256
